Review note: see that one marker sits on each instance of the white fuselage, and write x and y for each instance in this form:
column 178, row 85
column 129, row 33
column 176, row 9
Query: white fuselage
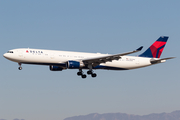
column 48, row 57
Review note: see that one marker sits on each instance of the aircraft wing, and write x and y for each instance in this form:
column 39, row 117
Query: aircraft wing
column 98, row 60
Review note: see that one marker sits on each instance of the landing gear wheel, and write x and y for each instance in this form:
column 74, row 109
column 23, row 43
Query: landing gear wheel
column 20, row 68
column 79, row 73
column 94, row 75
column 84, row 76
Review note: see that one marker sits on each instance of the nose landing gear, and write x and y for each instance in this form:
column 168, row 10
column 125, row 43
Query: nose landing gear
column 20, row 68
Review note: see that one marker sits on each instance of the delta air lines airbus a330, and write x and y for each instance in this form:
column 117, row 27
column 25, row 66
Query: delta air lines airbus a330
column 61, row 60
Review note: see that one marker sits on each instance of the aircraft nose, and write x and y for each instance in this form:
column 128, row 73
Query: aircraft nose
column 5, row 55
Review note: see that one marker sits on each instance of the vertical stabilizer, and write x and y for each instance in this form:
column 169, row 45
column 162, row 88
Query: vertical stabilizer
column 156, row 49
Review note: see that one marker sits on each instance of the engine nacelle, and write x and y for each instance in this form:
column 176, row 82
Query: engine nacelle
column 55, row 68
column 74, row 64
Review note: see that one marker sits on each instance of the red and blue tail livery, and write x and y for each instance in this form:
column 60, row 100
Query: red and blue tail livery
column 156, row 49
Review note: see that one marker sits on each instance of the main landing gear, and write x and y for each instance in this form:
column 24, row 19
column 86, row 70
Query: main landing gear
column 20, row 68
column 80, row 73
column 90, row 72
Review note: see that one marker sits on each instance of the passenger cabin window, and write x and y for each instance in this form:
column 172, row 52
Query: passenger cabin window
column 10, row 52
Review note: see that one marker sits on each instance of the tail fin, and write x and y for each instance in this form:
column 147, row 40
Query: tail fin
column 155, row 50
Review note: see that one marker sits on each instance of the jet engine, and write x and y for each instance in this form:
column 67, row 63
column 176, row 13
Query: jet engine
column 75, row 64
column 55, row 68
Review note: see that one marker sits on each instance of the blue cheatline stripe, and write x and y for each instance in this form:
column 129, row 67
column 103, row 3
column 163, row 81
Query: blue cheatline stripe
column 64, row 65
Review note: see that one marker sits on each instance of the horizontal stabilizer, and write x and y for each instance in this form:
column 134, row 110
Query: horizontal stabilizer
column 155, row 61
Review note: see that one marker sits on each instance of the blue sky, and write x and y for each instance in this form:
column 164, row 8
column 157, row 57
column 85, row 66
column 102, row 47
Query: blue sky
column 117, row 26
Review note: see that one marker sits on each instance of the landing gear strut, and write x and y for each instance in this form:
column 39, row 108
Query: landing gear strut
column 90, row 72
column 20, row 68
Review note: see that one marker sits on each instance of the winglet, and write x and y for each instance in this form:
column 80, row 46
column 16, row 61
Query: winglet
column 139, row 49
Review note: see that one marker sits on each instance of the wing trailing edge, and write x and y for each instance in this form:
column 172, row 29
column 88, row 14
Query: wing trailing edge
column 98, row 60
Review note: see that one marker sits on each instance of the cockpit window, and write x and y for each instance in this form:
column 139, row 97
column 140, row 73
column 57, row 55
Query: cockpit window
column 10, row 52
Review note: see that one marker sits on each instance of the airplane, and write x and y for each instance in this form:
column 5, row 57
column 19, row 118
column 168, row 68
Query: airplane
column 61, row 60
